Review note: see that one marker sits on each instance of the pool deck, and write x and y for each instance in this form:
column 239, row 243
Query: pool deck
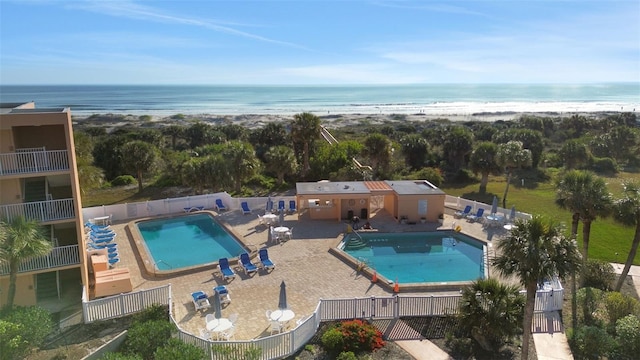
column 310, row 272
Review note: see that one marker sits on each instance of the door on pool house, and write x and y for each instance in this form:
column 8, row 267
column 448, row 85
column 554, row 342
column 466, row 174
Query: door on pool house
column 422, row 208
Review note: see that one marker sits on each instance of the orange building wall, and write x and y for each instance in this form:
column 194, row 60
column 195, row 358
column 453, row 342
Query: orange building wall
column 25, row 290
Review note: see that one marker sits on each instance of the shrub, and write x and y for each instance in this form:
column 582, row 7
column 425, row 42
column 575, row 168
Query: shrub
column 145, row 337
column 347, row 355
column 597, row 274
column 333, row 340
column 23, row 329
column 175, row 349
column 432, row 175
column 589, row 300
column 619, row 305
column 590, row 342
column 12, row 344
column 360, row 336
column 464, row 176
column 628, row 330
column 153, row 312
column 604, row 166
column 123, row 180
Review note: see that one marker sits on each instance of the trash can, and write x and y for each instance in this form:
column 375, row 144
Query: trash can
column 350, row 215
column 363, row 213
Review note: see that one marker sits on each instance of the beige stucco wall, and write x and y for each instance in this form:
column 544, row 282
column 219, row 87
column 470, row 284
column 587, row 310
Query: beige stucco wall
column 10, row 191
column 408, row 206
column 25, row 290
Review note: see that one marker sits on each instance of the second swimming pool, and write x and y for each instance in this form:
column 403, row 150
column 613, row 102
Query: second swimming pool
column 186, row 241
column 425, row 257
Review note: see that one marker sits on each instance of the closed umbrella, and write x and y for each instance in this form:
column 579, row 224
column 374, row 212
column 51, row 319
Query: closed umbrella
column 269, row 207
column 282, row 302
column 217, row 307
column 494, row 206
column 512, row 216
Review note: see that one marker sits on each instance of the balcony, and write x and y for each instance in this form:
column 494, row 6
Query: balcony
column 30, row 162
column 41, row 211
column 58, row 257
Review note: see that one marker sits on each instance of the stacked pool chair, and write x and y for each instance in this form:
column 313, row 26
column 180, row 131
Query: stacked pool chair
column 102, row 237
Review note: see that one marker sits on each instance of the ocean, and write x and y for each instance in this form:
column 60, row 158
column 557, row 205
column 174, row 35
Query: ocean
column 438, row 99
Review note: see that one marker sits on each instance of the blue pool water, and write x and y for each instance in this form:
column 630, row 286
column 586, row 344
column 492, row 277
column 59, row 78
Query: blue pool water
column 425, row 257
column 187, row 241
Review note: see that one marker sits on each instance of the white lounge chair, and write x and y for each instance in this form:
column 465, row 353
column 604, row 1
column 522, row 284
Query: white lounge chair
column 200, row 300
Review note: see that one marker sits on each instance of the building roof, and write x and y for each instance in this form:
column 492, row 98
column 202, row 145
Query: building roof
column 377, row 186
column 413, row 187
column 324, row 188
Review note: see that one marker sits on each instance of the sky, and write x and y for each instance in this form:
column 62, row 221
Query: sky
column 318, row 42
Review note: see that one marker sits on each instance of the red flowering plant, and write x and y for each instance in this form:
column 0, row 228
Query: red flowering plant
column 360, row 336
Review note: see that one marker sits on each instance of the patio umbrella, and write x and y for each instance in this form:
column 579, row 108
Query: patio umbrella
column 282, row 302
column 269, row 207
column 494, row 206
column 281, row 218
column 512, row 216
column 217, row 307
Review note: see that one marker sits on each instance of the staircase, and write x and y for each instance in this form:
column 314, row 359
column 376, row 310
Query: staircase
column 356, row 243
column 366, row 170
column 46, row 285
column 35, row 190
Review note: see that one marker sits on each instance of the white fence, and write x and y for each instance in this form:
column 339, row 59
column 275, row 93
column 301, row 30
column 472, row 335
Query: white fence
column 123, row 212
column 124, row 304
column 59, row 256
column 459, row 203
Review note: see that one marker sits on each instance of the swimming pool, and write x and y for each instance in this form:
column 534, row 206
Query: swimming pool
column 187, row 241
column 425, row 257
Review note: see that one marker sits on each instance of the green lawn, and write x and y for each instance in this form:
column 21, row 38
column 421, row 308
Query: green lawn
column 608, row 238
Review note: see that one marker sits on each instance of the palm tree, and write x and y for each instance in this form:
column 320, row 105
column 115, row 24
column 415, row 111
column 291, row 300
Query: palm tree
column 586, row 196
column 415, row 149
column 491, row 312
column 627, row 212
column 483, row 161
column 241, row 161
column 305, row 129
column 535, row 250
column 377, row 147
column 21, row 240
column 282, row 161
column 512, row 156
column 140, row 157
column 456, row 144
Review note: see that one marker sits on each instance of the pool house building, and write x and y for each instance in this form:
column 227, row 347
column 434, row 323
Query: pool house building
column 39, row 181
column 407, row 201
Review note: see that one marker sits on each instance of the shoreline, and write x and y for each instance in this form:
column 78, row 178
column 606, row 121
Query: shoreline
column 328, row 120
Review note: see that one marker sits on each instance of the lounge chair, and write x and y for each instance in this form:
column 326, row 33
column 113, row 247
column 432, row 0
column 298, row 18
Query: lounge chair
column 223, row 293
column 281, row 206
column 463, row 213
column 276, row 327
column 114, row 261
column 220, row 206
column 476, row 217
column 245, row 208
column 292, row 206
column 225, row 269
column 247, row 265
column 264, row 259
column 200, row 300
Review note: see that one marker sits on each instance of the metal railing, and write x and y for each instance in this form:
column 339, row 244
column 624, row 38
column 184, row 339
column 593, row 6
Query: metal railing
column 41, row 211
column 58, row 257
column 26, row 162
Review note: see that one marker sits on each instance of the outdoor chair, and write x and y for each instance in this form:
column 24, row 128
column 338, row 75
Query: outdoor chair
column 247, row 265
column 266, row 263
column 281, row 208
column 463, row 213
column 223, row 294
column 229, row 334
column 292, row 206
column 225, row 269
column 204, row 334
column 200, row 300
column 233, row 318
column 245, row 208
column 220, row 206
column 476, row 217
column 276, row 327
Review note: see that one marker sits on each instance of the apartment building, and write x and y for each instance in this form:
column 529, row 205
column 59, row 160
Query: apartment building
column 39, row 180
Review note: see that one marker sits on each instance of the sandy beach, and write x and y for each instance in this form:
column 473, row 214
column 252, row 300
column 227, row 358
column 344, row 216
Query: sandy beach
column 253, row 121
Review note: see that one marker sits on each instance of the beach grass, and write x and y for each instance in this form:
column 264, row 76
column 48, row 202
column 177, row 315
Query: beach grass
column 609, row 241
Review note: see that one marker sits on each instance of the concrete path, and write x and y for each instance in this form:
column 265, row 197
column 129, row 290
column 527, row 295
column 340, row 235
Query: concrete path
column 423, row 350
column 549, row 337
column 632, row 277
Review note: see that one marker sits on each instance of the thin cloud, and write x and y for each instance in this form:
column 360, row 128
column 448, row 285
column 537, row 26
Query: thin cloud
column 431, row 7
column 135, row 11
